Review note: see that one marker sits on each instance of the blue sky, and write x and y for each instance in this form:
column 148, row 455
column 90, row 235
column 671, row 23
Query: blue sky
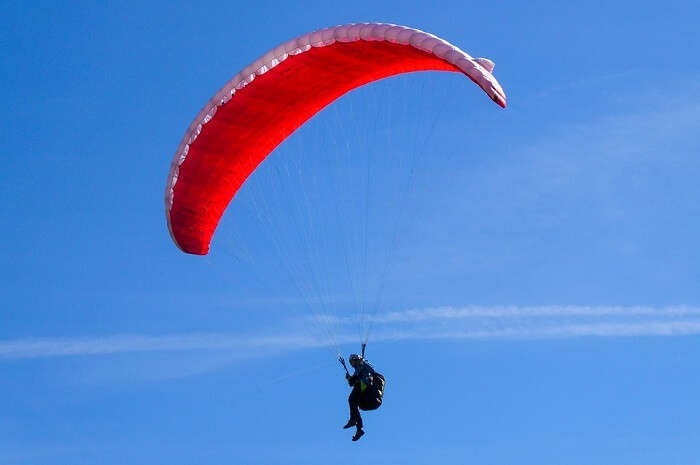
column 541, row 306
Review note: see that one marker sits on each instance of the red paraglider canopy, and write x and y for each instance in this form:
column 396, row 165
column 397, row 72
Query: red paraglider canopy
column 272, row 97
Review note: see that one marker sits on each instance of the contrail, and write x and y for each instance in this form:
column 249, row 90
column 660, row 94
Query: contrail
column 57, row 347
column 512, row 312
column 651, row 328
column 443, row 323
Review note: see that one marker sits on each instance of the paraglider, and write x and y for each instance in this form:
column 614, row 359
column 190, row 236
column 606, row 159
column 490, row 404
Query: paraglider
column 367, row 390
column 271, row 98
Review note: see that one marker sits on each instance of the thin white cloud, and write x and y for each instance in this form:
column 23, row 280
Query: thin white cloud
column 645, row 328
column 57, row 347
column 514, row 312
column 444, row 323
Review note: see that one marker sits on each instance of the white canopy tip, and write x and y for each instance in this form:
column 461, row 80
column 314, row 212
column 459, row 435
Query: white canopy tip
column 486, row 63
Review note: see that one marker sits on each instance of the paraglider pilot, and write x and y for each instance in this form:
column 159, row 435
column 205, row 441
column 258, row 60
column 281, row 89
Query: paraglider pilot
column 367, row 391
